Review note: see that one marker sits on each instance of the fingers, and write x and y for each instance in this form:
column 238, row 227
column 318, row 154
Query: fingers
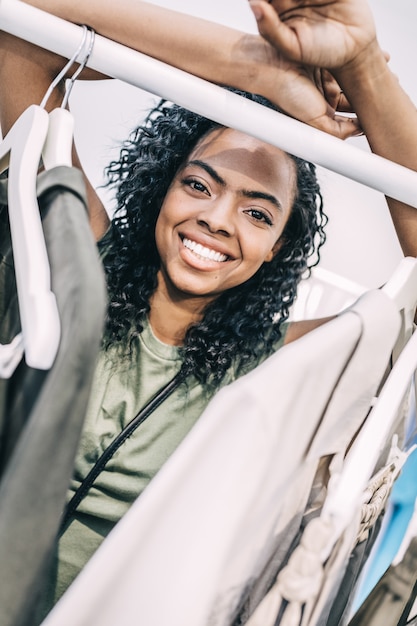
column 309, row 94
column 274, row 30
column 310, row 106
column 337, row 125
column 334, row 102
column 330, row 88
column 343, row 105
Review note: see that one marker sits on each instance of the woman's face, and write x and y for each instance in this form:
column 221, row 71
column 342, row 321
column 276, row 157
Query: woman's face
column 223, row 215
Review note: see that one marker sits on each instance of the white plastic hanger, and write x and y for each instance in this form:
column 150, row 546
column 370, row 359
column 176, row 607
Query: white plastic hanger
column 58, row 145
column 35, row 137
column 21, row 152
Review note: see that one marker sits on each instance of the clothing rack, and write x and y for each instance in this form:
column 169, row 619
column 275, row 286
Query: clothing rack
column 214, row 102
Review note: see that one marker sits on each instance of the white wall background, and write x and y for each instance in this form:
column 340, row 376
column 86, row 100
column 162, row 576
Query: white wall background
column 362, row 244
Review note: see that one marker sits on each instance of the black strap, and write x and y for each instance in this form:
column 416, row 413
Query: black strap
column 127, row 431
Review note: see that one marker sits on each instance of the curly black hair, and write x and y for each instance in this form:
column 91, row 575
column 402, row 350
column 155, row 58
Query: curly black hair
column 243, row 324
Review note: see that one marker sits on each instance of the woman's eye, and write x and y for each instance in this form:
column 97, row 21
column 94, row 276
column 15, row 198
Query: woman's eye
column 196, row 185
column 260, row 216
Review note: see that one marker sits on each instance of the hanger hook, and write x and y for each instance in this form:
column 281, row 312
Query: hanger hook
column 71, row 61
column 70, row 82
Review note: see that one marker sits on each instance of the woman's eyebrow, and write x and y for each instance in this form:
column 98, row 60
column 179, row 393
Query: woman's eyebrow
column 262, row 196
column 255, row 195
column 209, row 170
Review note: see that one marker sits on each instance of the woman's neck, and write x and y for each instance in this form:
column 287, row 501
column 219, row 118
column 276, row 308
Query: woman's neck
column 170, row 319
column 166, row 329
column 172, row 312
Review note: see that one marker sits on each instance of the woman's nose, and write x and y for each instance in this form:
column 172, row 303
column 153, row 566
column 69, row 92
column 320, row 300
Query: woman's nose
column 219, row 217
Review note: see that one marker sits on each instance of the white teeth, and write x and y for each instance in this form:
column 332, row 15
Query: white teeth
column 203, row 252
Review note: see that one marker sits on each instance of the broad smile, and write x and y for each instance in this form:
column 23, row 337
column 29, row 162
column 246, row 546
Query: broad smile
column 203, row 252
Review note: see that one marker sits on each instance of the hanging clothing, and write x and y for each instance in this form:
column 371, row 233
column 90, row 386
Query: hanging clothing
column 315, row 585
column 203, row 526
column 346, row 412
column 399, row 512
column 41, row 413
column 387, row 603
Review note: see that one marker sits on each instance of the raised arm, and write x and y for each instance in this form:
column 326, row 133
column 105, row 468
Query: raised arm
column 26, row 73
column 340, row 35
column 206, row 49
column 209, row 50
column 389, row 119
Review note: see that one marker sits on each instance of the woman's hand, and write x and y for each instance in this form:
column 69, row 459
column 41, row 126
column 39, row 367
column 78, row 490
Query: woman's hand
column 319, row 33
column 339, row 35
column 314, row 97
column 309, row 95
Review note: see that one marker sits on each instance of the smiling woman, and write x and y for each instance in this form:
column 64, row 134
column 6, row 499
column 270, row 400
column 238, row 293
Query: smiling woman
column 219, row 192
column 203, row 256
column 213, row 229
column 220, row 221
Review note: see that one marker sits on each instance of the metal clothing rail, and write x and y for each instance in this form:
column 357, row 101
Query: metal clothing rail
column 212, row 101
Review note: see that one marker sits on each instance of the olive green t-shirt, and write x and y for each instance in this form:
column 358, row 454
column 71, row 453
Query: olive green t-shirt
column 121, row 387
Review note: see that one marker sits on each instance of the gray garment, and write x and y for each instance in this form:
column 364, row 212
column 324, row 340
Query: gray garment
column 41, row 413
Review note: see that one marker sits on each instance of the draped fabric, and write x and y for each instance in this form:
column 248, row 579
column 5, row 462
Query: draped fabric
column 202, row 531
column 316, row 586
column 41, row 413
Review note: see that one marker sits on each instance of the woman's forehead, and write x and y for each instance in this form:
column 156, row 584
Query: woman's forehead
column 217, row 140
column 243, row 155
